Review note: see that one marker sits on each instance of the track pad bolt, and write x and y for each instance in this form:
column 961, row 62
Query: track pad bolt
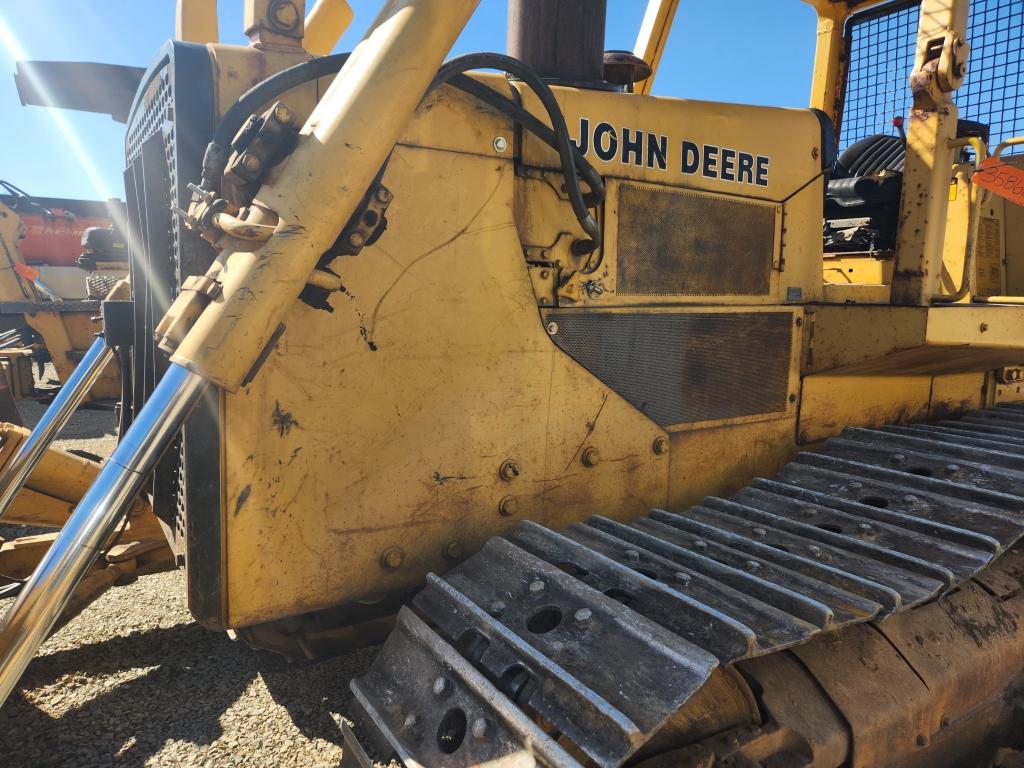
column 700, row 545
column 591, row 457
column 583, row 615
column 536, row 587
column 392, row 558
column 952, row 469
column 683, row 578
column 814, row 550
column 508, row 471
column 632, row 555
column 411, row 724
column 760, row 533
column 479, row 728
column 441, row 686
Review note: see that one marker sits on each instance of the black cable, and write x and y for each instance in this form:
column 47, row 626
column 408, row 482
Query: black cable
column 219, row 148
column 453, row 72
column 564, row 145
column 530, row 122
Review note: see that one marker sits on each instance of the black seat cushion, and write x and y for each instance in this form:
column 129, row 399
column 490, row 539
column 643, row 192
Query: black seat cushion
column 870, row 155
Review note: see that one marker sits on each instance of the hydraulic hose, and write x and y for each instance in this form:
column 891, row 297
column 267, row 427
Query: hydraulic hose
column 219, row 148
column 564, row 145
column 452, row 72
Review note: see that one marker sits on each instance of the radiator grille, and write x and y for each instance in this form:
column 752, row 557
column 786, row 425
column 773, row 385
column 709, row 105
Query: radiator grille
column 685, row 367
column 167, row 134
column 675, row 242
column 882, row 46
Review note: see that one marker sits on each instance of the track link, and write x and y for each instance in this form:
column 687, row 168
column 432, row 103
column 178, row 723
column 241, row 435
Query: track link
column 537, row 625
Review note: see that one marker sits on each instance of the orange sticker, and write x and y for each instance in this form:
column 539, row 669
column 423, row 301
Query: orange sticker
column 1003, row 179
column 26, row 271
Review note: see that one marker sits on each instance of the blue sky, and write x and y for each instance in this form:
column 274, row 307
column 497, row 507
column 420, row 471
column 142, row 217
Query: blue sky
column 746, row 51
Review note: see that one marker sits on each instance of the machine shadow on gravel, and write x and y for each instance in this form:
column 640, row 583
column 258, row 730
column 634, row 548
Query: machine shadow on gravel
column 188, row 678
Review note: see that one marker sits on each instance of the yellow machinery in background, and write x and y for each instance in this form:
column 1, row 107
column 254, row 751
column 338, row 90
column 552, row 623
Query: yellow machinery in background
column 57, row 328
column 704, row 484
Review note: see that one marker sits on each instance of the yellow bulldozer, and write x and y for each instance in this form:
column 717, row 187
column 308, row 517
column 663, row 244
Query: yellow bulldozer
column 643, row 431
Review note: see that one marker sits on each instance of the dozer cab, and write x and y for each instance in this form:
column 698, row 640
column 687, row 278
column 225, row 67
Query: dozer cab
column 647, row 431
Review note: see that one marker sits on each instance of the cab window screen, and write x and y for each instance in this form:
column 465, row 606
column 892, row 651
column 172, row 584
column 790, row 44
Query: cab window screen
column 882, row 56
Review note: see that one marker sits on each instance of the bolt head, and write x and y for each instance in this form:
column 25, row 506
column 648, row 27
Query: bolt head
column 700, row 544
column 760, row 533
column 498, row 608
column 283, row 115
column 383, row 195
column 479, row 728
column 500, row 144
column 508, row 470
column 683, row 578
column 753, row 565
column 356, row 240
column 441, row 686
column 864, row 527
column 591, row 457
column 898, row 458
column 632, row 555
column 536, row 587
column 508, row 506
column 411, row 723
column 552, row 328
column 910, row 498
column 583, row 615
column 392, row 558
column 814, row 550
column 286, row 15
column 856, row 485
column 952, row 468
column 453, row 550
column 660, row 446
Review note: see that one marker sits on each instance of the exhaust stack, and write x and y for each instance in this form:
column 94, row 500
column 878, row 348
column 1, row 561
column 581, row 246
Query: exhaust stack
column 563, row 40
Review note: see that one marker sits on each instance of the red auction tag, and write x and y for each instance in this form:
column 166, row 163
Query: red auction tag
column 1003, row 179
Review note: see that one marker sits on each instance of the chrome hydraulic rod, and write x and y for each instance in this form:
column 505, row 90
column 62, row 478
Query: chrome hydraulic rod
column 70, row 396
column 94, row 521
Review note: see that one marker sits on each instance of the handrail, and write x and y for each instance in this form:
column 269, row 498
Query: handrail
column 973, row 220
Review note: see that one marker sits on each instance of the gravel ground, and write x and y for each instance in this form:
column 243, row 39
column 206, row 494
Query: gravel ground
column 133, row 681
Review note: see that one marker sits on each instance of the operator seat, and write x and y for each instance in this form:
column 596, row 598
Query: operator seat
column 866, row 174
column 862, row 199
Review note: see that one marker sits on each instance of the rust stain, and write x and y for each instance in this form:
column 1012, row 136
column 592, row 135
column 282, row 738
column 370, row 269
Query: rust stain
column 283, row 420
column 591, row 425
column 242, row 498
column 442, row 479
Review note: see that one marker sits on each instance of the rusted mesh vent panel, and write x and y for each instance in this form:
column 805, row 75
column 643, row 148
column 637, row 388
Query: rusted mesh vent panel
column 684, row 243
column 882, row 46
column 680, row 368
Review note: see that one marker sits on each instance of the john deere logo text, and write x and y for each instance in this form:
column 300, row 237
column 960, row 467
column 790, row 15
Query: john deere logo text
column 630, row 146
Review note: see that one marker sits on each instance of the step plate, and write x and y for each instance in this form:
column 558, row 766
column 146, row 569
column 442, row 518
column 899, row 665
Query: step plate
column 600, row 632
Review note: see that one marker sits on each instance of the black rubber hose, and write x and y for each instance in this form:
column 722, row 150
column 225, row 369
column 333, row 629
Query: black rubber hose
column 564, row 145
column 219, row 148
column 530, row 122
column 557, row 136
